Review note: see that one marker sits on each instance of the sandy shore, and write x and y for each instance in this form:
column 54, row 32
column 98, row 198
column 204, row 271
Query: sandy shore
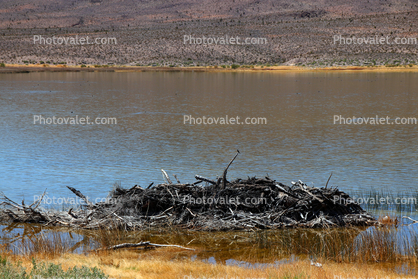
column 13, row 68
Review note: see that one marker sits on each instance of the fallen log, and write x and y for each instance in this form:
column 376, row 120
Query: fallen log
column 145, row 244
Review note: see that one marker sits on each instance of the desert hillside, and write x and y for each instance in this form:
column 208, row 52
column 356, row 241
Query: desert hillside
column 152, row 32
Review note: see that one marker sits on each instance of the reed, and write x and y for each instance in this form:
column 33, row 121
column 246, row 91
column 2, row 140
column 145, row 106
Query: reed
column 386, row 244
column 391, row 245
column 382, row 202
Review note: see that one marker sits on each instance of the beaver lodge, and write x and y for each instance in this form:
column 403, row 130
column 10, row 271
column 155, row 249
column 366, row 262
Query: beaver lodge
column 242, row 204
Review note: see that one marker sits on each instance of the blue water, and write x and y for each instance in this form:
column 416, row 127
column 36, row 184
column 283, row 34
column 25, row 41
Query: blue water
column 299, row 141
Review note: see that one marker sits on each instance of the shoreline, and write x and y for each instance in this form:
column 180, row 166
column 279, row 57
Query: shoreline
column 15, row 68
column 172, row 263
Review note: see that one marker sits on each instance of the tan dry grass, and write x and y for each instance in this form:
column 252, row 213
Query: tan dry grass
column 161, row 263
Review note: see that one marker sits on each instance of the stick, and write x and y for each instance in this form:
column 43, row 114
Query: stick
column 80, row 195
column 286, row 192
column 413, row 221
column 312, row 195
column 146, row 243
column 10, row 202
column 226, row 170
column 198, row 177
column 326, row 185
column 194, row 215
column 38, row 202
column 72, row 214
column 166, row 177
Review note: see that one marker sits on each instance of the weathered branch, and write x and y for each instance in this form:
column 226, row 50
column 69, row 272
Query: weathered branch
column 80, row 195
column 142, row 244
column 166, row 177
column 329, row 178
column 226, row 171
column 201, row 178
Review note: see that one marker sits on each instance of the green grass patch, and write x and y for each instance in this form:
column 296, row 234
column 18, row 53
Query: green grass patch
column 16, row 271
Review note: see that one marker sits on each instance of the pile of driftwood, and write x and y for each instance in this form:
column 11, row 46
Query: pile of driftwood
column 253, row 203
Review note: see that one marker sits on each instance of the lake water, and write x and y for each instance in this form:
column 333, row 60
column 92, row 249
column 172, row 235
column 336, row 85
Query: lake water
column 299, row 141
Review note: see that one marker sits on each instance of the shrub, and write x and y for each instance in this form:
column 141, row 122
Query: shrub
column 234, row 66
column 2, row 65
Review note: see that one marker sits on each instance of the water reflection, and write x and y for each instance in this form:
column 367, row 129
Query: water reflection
column 300, row 140
column 388, row 246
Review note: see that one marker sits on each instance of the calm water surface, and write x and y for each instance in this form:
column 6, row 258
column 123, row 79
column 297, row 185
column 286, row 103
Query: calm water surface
column 299, row 141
